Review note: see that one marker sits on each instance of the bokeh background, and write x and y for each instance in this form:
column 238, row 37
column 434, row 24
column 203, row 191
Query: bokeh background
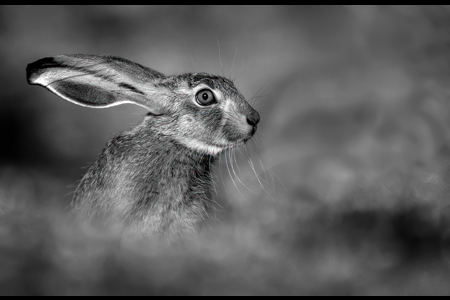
column 343, row 191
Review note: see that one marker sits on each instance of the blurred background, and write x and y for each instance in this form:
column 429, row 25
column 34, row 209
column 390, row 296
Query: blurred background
column 343, row 191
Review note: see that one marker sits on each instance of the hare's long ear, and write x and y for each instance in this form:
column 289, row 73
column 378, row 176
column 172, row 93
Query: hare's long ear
column 98, row 81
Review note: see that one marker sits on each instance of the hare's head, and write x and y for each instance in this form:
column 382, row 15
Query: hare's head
column 206, row 113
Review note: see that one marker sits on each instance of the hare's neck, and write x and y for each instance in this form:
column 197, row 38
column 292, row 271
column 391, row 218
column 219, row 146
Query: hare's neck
column 163, row 151
column 143, row 175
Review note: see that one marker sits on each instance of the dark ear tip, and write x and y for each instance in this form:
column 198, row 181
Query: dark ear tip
column 36, row 68
column 31, row 70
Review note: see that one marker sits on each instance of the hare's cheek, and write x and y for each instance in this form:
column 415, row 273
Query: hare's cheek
column 188, row 124
column 187, row 120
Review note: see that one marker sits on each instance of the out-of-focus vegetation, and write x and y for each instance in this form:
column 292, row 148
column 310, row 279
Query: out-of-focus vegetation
column 345, row 189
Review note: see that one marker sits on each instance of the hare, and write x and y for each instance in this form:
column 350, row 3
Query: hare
column 155, row 178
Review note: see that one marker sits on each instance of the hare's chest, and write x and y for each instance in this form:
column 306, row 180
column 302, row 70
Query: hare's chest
column 174, row 219
column 180, row 205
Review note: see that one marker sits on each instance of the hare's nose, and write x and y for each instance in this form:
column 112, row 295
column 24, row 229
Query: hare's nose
column 253, row 118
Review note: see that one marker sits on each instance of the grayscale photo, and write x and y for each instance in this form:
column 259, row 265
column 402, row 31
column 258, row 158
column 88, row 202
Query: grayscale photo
column 225, row 150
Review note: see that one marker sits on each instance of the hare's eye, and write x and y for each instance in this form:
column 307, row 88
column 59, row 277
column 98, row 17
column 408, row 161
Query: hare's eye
column 205, row 97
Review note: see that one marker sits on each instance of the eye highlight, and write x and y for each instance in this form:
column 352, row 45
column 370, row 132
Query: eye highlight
column 205, row 97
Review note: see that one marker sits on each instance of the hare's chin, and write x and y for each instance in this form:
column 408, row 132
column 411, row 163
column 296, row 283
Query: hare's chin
column 235, row 144
column 210, row 148
column 200, row 146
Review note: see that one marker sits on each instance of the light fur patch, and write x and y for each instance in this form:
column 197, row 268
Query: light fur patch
column 200, row 146
column 49, row 77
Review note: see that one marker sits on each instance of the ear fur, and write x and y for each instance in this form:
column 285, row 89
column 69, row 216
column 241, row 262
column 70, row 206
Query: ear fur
column 98, row 81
